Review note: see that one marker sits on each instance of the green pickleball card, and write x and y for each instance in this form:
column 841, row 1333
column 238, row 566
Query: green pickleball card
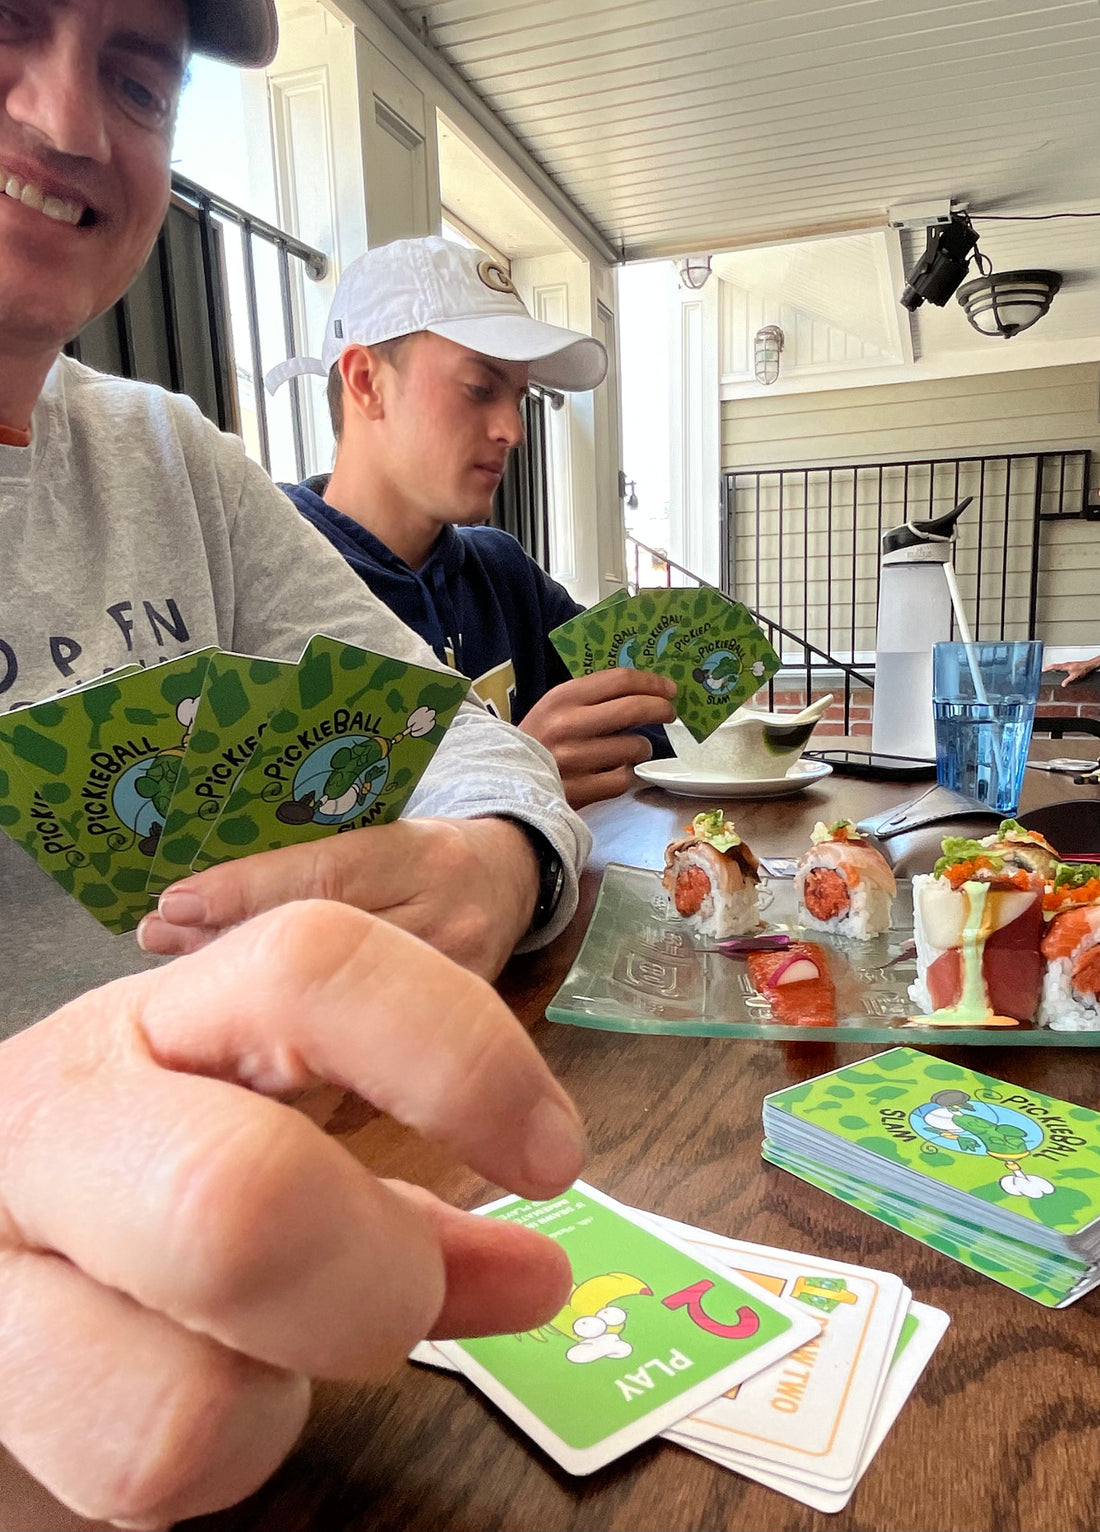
column 344, row 747
column 237, row 699
column 93, row 776
column 1014, row 1149
column 650, row 1333
column 706, row 643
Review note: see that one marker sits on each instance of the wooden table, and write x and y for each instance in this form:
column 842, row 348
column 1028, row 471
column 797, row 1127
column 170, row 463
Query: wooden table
column 1003, row 1430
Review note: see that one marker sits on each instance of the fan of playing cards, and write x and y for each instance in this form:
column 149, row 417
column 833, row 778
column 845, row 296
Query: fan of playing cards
column 787, row 1368
column 709, row 645
column 120, row 787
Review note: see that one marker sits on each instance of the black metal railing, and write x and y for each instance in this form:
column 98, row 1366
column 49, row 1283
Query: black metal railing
column 213, row 212
column 813, row 668
column 522, row 502
column 175, row 326
column 805, row 542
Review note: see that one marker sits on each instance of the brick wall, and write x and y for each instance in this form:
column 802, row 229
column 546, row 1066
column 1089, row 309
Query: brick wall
column 1082, row 700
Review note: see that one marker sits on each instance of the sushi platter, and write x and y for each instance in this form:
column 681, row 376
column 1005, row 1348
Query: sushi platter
column 984, row 950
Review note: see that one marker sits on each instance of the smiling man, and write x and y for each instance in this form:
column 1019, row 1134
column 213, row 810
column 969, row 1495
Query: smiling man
column 429, row 352
column 178, row 1253
column 163, row 537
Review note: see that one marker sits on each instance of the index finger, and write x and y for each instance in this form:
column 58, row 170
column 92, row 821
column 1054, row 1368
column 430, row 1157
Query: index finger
column 338, row 995
column 622, row 681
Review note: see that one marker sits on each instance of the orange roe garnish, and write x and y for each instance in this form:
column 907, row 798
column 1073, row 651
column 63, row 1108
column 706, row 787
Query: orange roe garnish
column 967, row 872
column 1056, row 899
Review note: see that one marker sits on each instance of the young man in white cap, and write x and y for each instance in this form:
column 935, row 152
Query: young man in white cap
column 180, row 1253
column 429, row 352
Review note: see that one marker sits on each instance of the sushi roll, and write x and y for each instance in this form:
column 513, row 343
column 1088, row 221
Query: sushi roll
column 712, row 877
column 1026, row 849
column 843, row 884
column 977, row 923
column 1071, row 946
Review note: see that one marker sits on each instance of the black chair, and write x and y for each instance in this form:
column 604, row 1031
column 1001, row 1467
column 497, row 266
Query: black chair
column 1073, row 826
column 1058, row 727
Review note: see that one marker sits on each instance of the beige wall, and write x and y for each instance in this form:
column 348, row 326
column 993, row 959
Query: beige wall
column 1046, row 409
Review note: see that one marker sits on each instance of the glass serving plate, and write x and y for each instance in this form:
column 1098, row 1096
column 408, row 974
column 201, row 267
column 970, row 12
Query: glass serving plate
column 642, row 969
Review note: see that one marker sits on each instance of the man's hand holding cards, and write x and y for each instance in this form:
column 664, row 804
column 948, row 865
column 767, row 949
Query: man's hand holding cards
column 120, row 787
column 700, row 639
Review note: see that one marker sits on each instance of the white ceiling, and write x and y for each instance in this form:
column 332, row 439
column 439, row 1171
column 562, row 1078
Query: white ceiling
column 693, row 124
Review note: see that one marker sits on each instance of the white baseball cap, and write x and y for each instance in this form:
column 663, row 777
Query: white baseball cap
column 462, row 294
column 242, row 32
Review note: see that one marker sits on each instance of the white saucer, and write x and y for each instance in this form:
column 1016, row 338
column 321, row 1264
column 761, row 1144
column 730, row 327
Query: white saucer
column 676, row 778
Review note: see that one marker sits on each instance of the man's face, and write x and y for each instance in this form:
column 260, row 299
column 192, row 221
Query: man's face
column 88, row 96
column 451, row 418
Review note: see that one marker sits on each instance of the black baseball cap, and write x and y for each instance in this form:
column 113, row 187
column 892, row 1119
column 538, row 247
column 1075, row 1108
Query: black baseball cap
column 242, row 32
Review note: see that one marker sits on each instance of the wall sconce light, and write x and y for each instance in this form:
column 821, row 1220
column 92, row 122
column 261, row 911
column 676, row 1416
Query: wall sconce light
column 694, row 271
column 1006, row 302
column 766, row 346
column 632, row 498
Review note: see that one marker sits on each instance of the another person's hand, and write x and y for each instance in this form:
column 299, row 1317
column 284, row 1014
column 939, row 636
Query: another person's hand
column 1076, row 670
column 466, row 886
column 581, row 723
column 180, row 1255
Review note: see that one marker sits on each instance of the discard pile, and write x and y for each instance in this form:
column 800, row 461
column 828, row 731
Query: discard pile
column 999, row 1178
column 786, row 1368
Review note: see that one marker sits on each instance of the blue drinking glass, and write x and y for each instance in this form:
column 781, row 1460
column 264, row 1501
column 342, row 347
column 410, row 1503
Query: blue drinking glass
column 983, row 703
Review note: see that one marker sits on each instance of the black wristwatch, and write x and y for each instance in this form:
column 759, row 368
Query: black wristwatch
column 551, row 874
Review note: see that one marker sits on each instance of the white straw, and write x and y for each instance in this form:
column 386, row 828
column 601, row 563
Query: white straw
column 965, row 633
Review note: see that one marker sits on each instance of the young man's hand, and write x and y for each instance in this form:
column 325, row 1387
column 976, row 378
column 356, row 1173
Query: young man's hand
column 581, row 723
column 1076, row 670
column 466, row 886
column 179, row 1255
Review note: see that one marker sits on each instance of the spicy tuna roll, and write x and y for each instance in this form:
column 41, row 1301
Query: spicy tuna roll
column 977, row 924
column 1071, row 946
column 843, row 884
column 712, row 876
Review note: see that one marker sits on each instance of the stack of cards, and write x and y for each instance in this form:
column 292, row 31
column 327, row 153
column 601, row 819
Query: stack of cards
column 787, row 1368
column 706, row 643
column 1003, row 1179
column 121, row 787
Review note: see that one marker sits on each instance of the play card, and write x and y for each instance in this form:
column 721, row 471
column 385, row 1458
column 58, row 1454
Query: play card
column 810, row 1412
column 238, row 696
column 651, row 1332
column 921, row 1333
column 344, row 747
column 93, row 776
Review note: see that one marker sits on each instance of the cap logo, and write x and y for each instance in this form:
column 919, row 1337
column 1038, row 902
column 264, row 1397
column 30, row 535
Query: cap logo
column 496, row 277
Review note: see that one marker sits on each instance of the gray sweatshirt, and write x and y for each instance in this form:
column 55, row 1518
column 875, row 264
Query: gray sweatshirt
column 131, row 530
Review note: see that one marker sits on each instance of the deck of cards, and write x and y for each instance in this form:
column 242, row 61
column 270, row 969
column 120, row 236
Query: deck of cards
column 1005, row 1180
column 786, row 1368
column 701, row 639
column 123, row 786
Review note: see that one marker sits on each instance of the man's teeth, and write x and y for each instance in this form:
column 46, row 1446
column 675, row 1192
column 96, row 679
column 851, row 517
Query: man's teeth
column 33, row 196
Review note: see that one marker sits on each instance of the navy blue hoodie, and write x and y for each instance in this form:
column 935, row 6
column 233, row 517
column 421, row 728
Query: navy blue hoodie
column 480, row 601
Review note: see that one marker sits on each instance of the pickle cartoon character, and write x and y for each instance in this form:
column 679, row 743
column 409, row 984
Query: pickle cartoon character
column 593, row 1319
column 142, row 794
column 336, row 782
column 718, row 672
column 953, row 1120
